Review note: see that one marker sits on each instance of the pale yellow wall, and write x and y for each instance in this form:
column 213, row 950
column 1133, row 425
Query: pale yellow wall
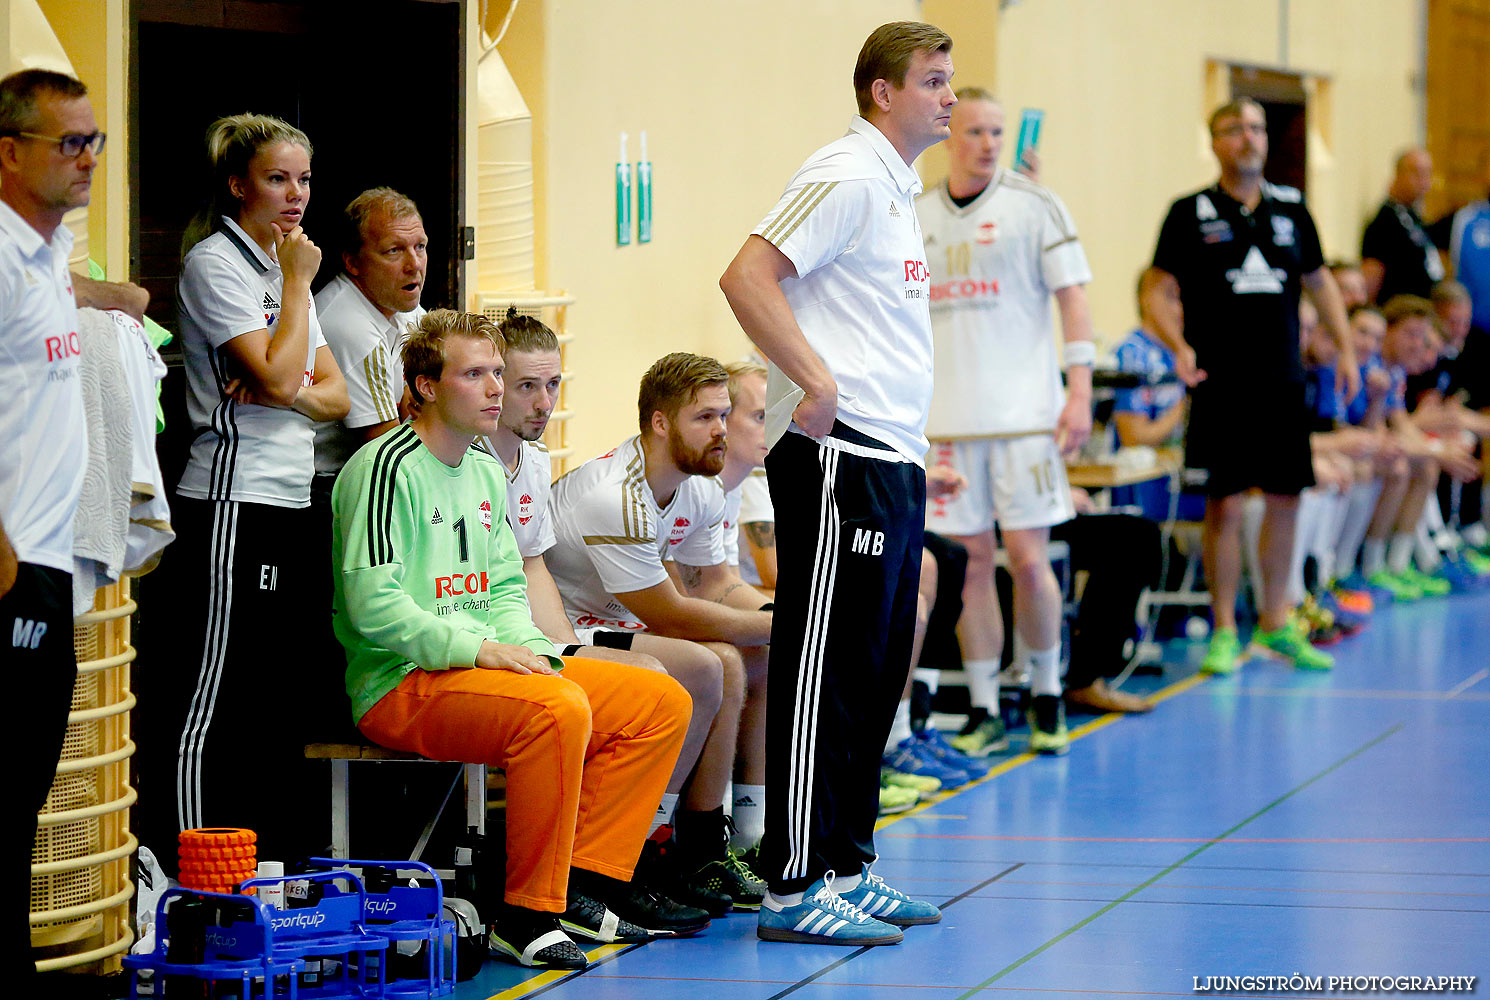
column 92, row 34
column 733, row 97
column 1123, row 88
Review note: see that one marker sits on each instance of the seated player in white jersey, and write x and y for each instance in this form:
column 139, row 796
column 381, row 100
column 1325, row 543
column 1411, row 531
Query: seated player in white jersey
column 533, row 375
column 1001, row 246
column 366, row 313
column 618, row 519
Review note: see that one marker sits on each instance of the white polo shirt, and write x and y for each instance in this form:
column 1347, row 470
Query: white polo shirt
column 847, row 222
column 612, row 537
column 368, row 348
column 998, row 260
column 261, row 454
column 43, row 443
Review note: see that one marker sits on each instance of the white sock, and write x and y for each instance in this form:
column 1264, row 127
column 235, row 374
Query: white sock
column 1359, row 508
column 748, row 810
column 1373, row 556
column 1045, row 670
column 1475, row 534
column 900, row 729
column 1328, row 534
column 780, row 901
column 1399, row 553
column 1311, row 509
column 983, row 683
column 664, row 813
column 930, row 676
column 847, row 883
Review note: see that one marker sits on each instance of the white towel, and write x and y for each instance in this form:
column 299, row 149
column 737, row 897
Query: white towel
column 102, row 518
column 150, row 515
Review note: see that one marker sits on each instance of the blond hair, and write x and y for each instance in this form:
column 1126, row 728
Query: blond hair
column 231, row 143
column 424, row 351
column 739, row 371
column 360, row 209
column 673, row 382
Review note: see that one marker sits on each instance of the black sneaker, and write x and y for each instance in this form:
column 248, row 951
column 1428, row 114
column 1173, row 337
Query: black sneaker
column 589, row 918
column 533, row 939
column 1047, row 718
column 657, row 914
column 732, row 876
column 659, row 868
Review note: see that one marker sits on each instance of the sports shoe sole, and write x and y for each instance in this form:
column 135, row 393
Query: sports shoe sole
column 790, row 936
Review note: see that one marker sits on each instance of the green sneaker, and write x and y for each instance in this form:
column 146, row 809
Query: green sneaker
column 1478, row 561
column 1431, row 586
column 894, row 799
column 987, row 737
column 1224, row 651
column 1288, row 643
column 1047, row 719
column 921, row 784
column 1399, row 587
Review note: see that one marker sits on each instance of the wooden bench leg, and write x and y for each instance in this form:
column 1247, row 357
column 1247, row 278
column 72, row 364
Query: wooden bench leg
column 341, row 825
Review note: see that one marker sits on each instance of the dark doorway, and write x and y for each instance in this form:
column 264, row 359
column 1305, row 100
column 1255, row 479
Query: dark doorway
column 377, row 85
column 1284, row 100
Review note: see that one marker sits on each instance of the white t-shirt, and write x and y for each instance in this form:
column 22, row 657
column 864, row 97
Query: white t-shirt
column 528, row 490
column 261, row 454
column 847, row 222
column 755, row 507
column 612, row 538
column 997, row 262
column 368, row 348
column 731, row 526
column 43, row 443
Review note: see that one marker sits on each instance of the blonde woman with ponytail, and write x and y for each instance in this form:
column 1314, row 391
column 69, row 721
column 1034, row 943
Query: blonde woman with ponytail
column 248, row 551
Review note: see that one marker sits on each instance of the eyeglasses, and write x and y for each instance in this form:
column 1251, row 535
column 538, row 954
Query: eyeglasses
column 72, row 144
column 1227, row 131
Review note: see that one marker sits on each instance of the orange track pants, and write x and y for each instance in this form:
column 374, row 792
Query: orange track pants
column 587, row 753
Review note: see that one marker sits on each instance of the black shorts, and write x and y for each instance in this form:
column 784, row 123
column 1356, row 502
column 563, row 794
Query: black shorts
column 602, row 640
column 1250, row 436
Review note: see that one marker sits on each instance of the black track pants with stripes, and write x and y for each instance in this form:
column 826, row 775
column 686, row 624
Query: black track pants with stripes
column 227, row 658
column 848, row 539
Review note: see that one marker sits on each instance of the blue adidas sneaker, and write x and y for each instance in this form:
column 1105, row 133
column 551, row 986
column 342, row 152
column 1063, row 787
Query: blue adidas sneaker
column 885, row 902
column 911, row 756
column 822, row 917
column 934, row 741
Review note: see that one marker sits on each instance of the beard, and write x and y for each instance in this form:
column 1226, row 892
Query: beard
column 703, row 462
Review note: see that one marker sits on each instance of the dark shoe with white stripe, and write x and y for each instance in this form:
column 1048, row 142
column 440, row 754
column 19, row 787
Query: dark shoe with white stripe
column 822, row 917
column 533, row 939
column 592, row 920
column 885, row 902
column 656, row 914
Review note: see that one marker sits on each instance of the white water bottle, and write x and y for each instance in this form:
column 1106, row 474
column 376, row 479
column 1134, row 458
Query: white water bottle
column 272, row 895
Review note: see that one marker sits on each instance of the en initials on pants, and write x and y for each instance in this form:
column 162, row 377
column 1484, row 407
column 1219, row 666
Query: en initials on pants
column 268, row 577
column 868, row 543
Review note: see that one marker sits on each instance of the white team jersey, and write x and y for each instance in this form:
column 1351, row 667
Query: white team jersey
column 997, row 261
column 731, row 526
column 528, row 488
column 43, row 443
column 612, row 538
column 368, row 348
column 847, row 222
column 755, row 507
column 262, row 454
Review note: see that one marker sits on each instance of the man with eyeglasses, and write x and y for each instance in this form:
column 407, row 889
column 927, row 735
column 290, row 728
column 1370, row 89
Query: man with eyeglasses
column 48, row 147
column 1242, row 250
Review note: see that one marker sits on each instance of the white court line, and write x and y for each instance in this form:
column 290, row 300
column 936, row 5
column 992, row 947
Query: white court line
column 1468, row 683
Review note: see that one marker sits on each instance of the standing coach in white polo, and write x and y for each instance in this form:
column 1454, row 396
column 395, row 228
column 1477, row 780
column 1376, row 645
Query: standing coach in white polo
column 833, row 288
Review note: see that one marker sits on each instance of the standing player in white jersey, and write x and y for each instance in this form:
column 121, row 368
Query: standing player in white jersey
column 366, row 313
column 1001, row 246
column 832, row 286
column 618, row 519
column 259, row 375
column 49, row 145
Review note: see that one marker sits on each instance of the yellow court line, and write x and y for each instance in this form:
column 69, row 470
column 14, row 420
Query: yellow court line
column 543, row 979
column 1019, row 760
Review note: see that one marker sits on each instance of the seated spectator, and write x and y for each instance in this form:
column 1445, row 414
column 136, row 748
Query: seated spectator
column 444, row 660
column 1469, row 255
column 1463, row 378
column 1352, row 284
column 366, row 312
column 618, row 520
column 532, row 377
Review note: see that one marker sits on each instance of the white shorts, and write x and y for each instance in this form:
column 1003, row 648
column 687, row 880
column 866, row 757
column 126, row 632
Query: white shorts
column 1019, row 482
column 617, row 636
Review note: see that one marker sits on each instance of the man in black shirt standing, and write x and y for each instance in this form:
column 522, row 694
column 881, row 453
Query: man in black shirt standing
column 1397, row 255
column 1242, row 250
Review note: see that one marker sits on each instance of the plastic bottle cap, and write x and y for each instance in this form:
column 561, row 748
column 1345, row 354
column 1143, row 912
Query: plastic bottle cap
column 271, row 869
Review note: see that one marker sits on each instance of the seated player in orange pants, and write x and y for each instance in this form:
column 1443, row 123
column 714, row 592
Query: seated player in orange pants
column 443, row 659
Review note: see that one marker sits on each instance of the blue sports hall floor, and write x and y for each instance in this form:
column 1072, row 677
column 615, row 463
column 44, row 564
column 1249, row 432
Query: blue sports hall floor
column 1268, row 824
